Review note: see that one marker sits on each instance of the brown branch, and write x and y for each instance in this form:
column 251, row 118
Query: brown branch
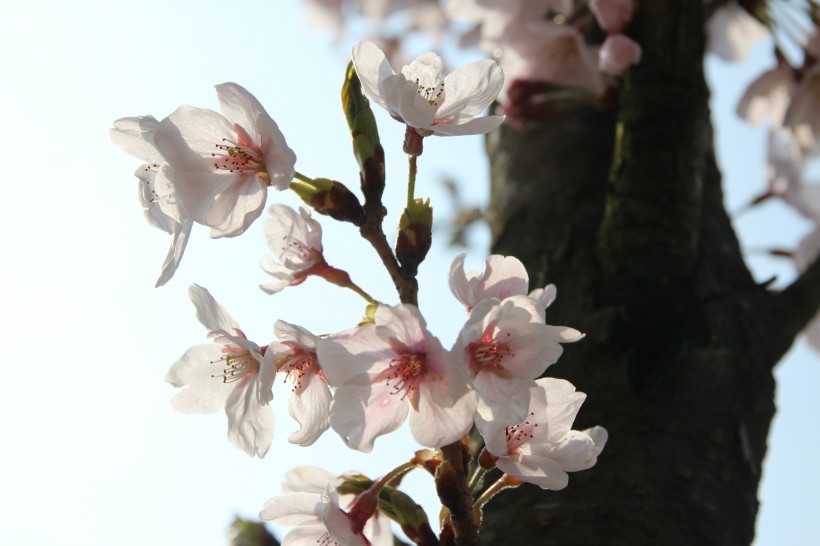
column 452, row 489
column 794, row 307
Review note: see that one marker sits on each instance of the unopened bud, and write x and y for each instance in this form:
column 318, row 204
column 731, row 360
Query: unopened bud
column 331, row 198
column 415, row 235
column 366, row 146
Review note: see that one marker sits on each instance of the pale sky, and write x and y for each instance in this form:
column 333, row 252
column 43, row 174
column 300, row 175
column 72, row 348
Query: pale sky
column 95, row 454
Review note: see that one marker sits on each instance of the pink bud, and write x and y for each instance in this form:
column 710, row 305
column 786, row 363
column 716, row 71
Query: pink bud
column 612, row 15
column 617, row 54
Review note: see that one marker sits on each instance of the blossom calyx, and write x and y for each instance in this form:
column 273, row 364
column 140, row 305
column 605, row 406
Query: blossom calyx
column 330, row 198
column 415, row 235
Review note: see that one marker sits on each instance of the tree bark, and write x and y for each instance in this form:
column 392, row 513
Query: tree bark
column 623, row 210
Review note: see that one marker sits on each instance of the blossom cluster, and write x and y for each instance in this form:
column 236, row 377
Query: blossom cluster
column 548, row 49
column 784, row 98
column 364, row 382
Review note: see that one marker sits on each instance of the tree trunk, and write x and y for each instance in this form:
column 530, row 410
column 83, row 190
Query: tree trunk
column 623, row 210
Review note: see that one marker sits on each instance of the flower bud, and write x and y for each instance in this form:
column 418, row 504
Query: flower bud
column 415, row 235
column 331, row 198
column 366, row 145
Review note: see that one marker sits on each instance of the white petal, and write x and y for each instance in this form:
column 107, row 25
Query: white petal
column 212, row 315
column 291, row 508
column 372, row 68
column 235, row 209
column 541, row 471
column 403, row 101
column 250, row 424
column 239, row 106
column 295, row 334
column 360, row 413
column 135, row 136
column 470, row 89
column 436, row 426
column 477, row 126
column 310, row 407
column 178, row 244
column 307, row 479
column 202, row 393
column 502, row 401
column 353, row 352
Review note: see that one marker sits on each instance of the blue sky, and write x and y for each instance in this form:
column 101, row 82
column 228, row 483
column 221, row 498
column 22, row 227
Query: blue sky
column 93, row 451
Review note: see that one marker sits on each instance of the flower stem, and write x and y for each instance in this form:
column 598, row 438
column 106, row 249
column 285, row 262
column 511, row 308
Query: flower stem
column 411, row 179
column 397, row 472
column 504, row 482
column 475, row 479
column 303, row 178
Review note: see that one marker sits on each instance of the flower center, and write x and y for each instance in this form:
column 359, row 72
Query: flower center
column 297, row 367
column 326, row 540
column 405, row 373
column 488, row 354
column 432, row 94
column 519, row 434
column 237, row 363
column 241, row 156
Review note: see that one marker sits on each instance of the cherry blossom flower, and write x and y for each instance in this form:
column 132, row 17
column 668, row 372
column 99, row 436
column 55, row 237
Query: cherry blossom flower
column 135, row 135
column 384, row 370
column 506, row 345
column 311, row 504
column 767, row 98
column 612, row 15
column 803, row 114
column 221, row 164
column 296, row 239
column 617, row 54
column 732, row 32
column 503, row 276
column 421, row 97
column 226, row 375
column 543, row 448
column 295, row 356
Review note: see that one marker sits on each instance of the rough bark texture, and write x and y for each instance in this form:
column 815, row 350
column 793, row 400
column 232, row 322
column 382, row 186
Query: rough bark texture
column 623, row 211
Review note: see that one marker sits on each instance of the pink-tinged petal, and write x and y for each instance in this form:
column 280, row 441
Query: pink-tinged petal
column 435, row 426
column 195, row 370
column 612, row 15
column 618, row 53
column 470, row 89
column 372, row 68
column 402, row 323
column 360, row 413
column 135, row 136
column 310, row 407
column 337, row 522
column 503, row 276
column 212, row 315
column 250, row 424
column 237, row 207
column 477, row 126
column 280, row 160
column 307, row 479
column 541, row 471
column 178, row 244
column 544, row 297
column 292, row 508
column 239, row 106
column 460, row 281
column 502, row 401
column 347, row 354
